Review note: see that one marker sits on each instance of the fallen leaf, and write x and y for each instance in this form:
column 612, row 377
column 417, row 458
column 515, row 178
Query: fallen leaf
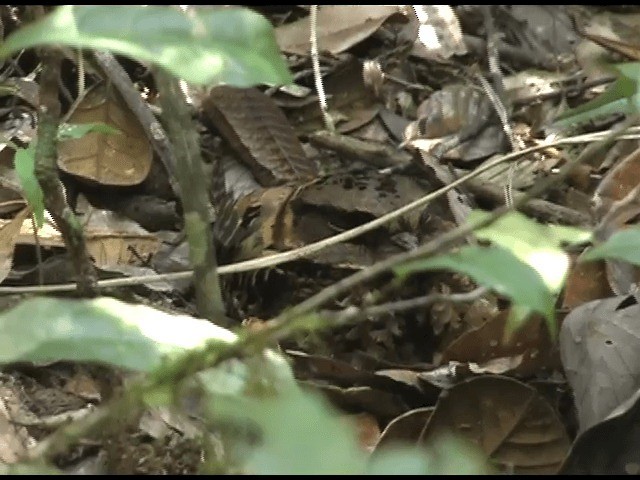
column 110, row 159
column 339, row 27
column 600, row 350
column 9, row 236
column 510, row 421
column 609, row 447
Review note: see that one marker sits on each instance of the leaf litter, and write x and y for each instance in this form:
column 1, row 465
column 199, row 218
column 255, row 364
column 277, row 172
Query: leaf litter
column 403, row 81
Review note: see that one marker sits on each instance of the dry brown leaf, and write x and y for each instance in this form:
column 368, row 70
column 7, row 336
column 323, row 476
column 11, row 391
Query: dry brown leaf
column 351, row 103
column 381, row 403
column 260, row 133
column 367, row 427
column 339, row 27
column 511, row 422
column 488, row 342
column 110, row 159
column 586, row 281
column 622, row 179
column 83, row 385
column 111, row 239
column 309, row 366
column 115, row 240
column 9, row 235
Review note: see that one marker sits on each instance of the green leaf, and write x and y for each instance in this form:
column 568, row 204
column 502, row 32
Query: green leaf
column 300, row 433
column 104, row 330
column 24, row 161
column 622, row 245
column 440, row 458
column 537, row 245
column 399, row 461
column 496, row 268
column 620, row 97
column 78, row 130
column 235, row 46
column 25, row 468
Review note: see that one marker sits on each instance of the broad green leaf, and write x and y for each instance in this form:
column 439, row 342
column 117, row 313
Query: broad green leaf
column 399, row 461
column 28, row 469
column 441, row 458
column 496, row 268
column 235, row 46
column 24, row 161
column 620, row 97
column 79, row 130
column 537, row 245
column 300, row 434
column 622, row 245
column 103, row 330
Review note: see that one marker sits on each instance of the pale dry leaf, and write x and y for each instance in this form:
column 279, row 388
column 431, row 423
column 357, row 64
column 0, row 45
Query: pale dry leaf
column 600, row 350
column 111, row 239
column 9, row 234
column 439, row 33
column 339, row 28
column 510, row 421
column 618, row 455
column 14, row 439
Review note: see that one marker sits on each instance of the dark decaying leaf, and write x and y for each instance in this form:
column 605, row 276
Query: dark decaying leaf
column 381, row 403
column 488, row 342
column 609, row 447
column 600, row 349
column 365, row 191
column 260, row 133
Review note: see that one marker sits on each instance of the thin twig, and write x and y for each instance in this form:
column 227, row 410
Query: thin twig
column 308, row 250
column 317, row 76
column 351, row 314
column 81, row 79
